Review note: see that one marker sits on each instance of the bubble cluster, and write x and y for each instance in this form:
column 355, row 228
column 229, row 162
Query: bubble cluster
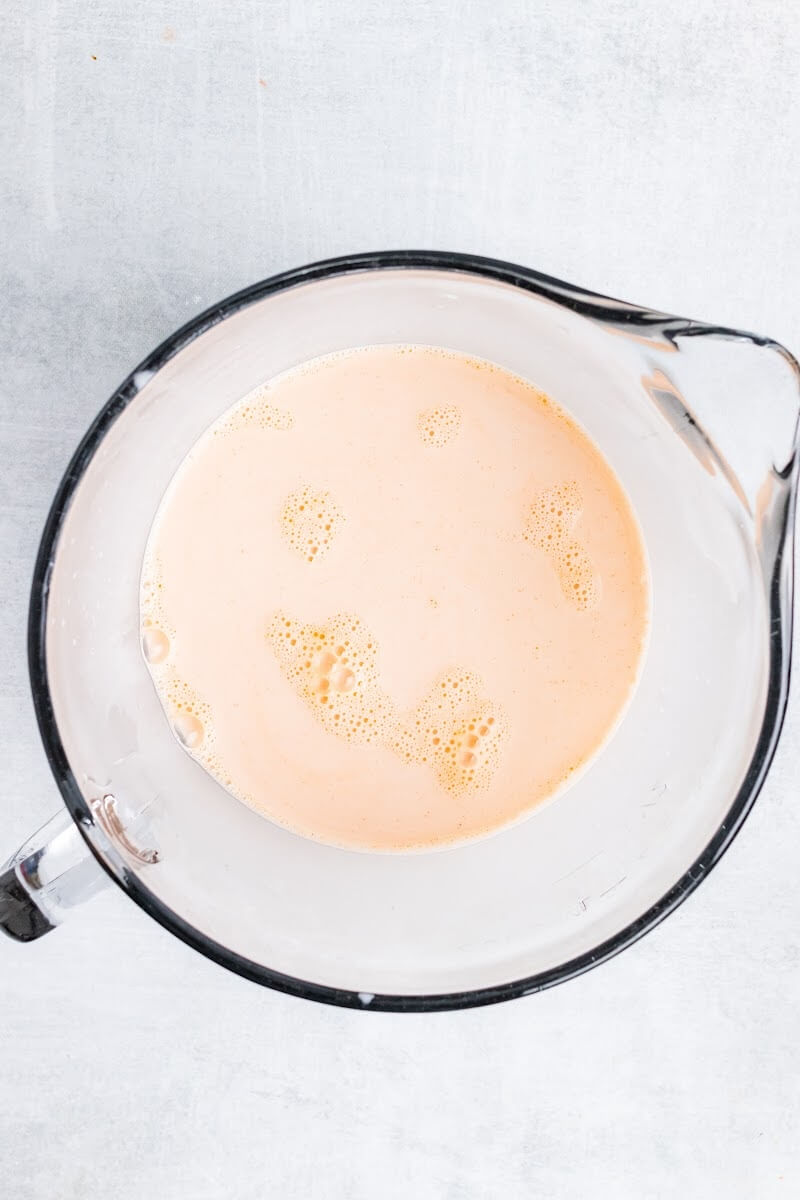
column 579, row 581
column 551, row 522
column 256, row 410
column 553, row 516
column 310, row 521
column 334, row 667
column 189, row 716
column 156, row 632
column 438, row 426
column 457, row 731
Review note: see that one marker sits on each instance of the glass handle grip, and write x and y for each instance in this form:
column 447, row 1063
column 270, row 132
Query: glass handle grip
column 51, row 873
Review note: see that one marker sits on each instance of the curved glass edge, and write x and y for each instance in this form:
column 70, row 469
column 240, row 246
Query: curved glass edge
column 780, row 587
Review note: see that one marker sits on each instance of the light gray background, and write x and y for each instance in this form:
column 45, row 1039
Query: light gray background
column 156, row 157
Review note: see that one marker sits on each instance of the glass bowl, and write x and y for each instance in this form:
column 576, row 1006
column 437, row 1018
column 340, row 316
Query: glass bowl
column 700, row 424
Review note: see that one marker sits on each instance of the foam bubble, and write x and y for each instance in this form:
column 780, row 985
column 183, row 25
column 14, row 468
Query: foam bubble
column 310, row 520
column 257, row 410
column 157, row 632
column 457, row 731
column 579, row 580
column 334, row 668
column 190, row 718
column 551, row 522
column 189, row 729
column 155, row 644
column 553, row 515
column 438, row 426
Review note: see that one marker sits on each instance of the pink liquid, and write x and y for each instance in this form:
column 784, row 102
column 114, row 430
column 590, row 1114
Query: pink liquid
column 394, row 599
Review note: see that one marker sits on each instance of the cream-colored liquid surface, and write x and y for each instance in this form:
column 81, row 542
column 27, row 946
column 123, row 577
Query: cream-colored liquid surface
column 394, row 599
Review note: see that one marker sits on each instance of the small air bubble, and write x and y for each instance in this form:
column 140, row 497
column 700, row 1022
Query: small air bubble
column 155, row 645
column 189, row 729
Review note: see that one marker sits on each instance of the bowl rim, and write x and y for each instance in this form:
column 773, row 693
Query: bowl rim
column 589, row 304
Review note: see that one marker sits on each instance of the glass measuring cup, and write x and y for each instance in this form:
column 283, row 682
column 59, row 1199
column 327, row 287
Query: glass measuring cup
column 700, row 424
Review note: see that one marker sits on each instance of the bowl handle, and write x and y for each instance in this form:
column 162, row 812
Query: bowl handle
column 734, row 400
column 51, row 872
